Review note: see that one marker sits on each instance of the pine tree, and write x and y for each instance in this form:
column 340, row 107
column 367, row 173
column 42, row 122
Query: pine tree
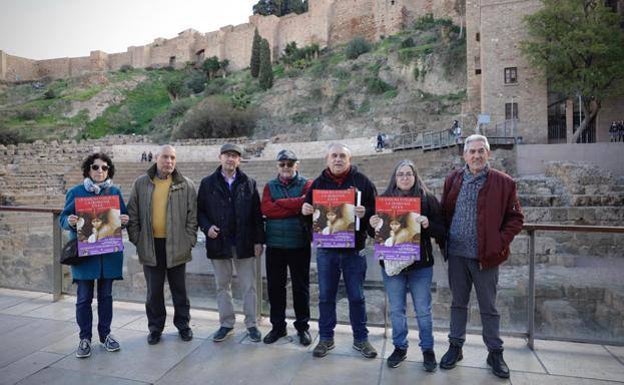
column 266, row 70
column 255, row 54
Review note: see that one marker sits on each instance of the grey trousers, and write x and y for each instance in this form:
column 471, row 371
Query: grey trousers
column 463, row 273
column 246, row 272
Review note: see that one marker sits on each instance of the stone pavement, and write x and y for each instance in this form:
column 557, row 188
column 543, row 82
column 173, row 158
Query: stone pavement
column 38, row 338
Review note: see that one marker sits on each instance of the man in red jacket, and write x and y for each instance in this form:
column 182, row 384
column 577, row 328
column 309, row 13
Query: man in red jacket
column 288, row 247
column 482, row 215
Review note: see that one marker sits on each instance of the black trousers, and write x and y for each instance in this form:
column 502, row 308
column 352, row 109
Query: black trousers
column 155, row 302
column 278, row 261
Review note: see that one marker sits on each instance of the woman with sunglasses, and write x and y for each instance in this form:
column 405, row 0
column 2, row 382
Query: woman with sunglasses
column 98, row 171
column 414, row 276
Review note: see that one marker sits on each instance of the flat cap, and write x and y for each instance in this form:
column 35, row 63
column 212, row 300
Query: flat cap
column 231, row 147
column 286, row 155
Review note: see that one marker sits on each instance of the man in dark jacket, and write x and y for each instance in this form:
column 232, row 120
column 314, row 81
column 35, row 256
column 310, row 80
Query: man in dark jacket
column 228, row 212
column 341, row 175
column 482, row 215
column 163, row 227
column 288, row 247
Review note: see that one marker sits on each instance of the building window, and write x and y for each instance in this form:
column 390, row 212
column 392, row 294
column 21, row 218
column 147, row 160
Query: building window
column 478, row 71
column 478, row 37
column 511, row 75
column 392, row 2
column 511, row 111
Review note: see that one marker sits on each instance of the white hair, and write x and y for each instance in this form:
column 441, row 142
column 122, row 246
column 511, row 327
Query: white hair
column 476, row 138
column 341, row 145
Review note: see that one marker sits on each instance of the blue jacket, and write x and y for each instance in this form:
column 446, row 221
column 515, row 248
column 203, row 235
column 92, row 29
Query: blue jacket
column 97, row 266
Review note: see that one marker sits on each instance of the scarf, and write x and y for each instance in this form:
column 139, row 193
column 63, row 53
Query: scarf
column 91, row 186
column 340, row 178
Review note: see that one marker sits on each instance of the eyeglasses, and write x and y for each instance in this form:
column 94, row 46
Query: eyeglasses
column 404, row 174
column 96, row 167
column 286, row 164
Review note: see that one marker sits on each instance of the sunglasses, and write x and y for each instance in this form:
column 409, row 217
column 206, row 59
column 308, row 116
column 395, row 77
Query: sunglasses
column 286, row 164
column 96, row 167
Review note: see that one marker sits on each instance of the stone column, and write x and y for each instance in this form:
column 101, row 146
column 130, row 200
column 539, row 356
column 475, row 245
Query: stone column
column 569, row 120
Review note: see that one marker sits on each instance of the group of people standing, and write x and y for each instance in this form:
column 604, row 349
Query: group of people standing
column 474, row 224
column 616, row 131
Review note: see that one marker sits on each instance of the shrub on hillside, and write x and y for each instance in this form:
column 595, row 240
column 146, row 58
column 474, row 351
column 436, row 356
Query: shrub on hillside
column 10, row 137
column 216, row 118
column 50, row 94
column 28, row 114
column 377, row 86
column 196, row 82
column 126, row 68
column 408, row 43
column 356, row 47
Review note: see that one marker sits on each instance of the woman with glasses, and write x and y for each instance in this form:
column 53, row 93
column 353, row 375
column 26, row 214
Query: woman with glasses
column 98, row 171
column 414, row 276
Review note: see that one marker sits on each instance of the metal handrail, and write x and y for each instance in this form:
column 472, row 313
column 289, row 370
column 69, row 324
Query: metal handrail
column 531, row 228
column 57, row 236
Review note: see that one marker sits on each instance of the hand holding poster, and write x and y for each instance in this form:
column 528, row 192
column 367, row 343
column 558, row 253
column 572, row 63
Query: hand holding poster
column 333, row 218
column 397, row 235
column 99, row 225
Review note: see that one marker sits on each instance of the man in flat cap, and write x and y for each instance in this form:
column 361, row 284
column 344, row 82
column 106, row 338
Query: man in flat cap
column 228, row 212
column 288, row 247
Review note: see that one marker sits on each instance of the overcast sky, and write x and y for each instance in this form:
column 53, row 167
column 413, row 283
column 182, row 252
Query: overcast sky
column 45, row 29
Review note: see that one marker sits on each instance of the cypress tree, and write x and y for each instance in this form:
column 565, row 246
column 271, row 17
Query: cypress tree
column 255, row 54
column 266, row 70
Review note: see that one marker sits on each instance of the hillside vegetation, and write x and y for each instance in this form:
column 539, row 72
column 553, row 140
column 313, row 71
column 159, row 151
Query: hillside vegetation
column 411, row 81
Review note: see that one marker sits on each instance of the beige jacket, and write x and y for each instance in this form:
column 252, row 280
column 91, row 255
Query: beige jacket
column 181, row 219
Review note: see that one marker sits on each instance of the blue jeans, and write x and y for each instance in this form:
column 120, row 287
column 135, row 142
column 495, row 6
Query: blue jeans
column 330, row 264
column 418, row 283
column 84, row 315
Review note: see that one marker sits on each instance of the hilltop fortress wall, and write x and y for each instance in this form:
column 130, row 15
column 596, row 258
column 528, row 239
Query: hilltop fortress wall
column 327, row 23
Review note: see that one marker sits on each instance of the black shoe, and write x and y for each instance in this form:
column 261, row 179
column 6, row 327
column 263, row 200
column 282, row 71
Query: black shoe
column 254, row 334
column 429, row 361
column 322, row 348
column 222, row 334
column 153, row 338
column 398, row 355
column 274, row 335
column 451, row 357
column 498, row 364
column 84, row 348
column 186, row 334
column 304, row 337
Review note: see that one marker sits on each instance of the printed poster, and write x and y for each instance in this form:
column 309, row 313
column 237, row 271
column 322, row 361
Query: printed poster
column 99, row 225
column 333, row 218
column 397, row 236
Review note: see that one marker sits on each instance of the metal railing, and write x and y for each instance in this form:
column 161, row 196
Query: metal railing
column 57, row 238
column 531, row 228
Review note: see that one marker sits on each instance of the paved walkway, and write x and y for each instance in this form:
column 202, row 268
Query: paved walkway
column 38, row 338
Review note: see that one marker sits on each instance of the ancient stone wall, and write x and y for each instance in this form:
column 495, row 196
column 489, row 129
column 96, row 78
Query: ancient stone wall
column 15, row 68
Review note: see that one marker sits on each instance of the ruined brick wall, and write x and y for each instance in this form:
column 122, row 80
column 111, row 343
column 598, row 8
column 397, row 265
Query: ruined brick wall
column 15, row 68
column 55, row 68
column 116, row 60
column 327, row 22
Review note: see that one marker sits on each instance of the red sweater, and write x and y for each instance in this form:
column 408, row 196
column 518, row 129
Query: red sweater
column 499, row 216
column 282, row 208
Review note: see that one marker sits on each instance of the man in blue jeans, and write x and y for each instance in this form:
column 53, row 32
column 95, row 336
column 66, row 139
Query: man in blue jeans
column 350, row 262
